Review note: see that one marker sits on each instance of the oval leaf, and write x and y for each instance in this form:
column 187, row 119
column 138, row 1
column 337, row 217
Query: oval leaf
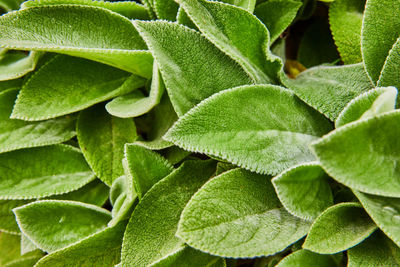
column 307, row 258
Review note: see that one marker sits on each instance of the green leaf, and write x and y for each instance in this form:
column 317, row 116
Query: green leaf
column 26, row 244
column 17, row 134
column 380, row 30
column 277, row 15
column 354, row 153
column 304, row 190
column 150, row 234
column 307, row 258
column 102, row 249
column 15, row 64
column 166, row 9
column 369, row 104
column 192, row 68
column 43, row 171
column 7, row 217
column 69, row 84
column 146, row 167
column 55, row 224
column 237, row 214
column 237, row 33
column 377, row 250
column 329, row 89
column 245, row 4
column 77, row 31
column 263, row 128
column 9, row 5
column 102, row 138
column 390, row 75
column 345, row 18
column 339, row 228
column 24, row 262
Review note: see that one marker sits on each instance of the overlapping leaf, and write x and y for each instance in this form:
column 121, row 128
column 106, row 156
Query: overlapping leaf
column 307, row 258
column 15, row 64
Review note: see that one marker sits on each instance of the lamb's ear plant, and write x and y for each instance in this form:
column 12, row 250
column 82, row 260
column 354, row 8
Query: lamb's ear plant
column 199, row 133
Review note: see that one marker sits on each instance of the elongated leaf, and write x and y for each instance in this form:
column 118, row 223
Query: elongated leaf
column 263, row 128
column 363, row 155
column 192, row 68
column 329, row 89
column 69, row 84
column 55, row 224
column 304, row 190
column 339, row 228
column 61, row 29
column 381, row 28
column 7, row 218
column 40, row 172
column 390, row 75
column 150, row 234
column 345, row 18
column 15, row 64
column 239, row 34
column 237, row 214
column 17, row 134
column 307, row 258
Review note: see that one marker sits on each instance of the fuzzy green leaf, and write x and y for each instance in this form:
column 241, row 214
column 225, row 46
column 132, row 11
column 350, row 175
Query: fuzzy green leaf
column 390, row 75
column 7, row 217
column 303, row 258
column 26, row 244
column 15, row 64
column 166, row 9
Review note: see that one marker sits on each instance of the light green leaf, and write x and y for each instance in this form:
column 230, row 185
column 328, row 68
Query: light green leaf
column 26, row 244
column 377, row 250
column 369, row 104
column 390, row 75
column 7, row 217
column 17, row 134
column 192, row 68
column 150, row 234
column 303, row 258
column 237, row 214
column 339, row 228
column 345, row 18
column 166, row 9
column 77, row 31
column 304, row 190
column 277, row 15
column 55, row 224
column 15, row 64
column 237, row 33
column 10, row 251
column 146, row 167
column 102, row 249
column 43, row 171
column 102, row 138
column 263, row 128
column 245, row 4
column 364, row 155
column 24, row 262
column 69, row 84
column 329, row 89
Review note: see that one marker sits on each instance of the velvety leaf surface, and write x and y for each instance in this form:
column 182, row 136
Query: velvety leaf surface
column 390, row 75
column 263, row 128
column 305, row 258
column 345, row 18
column 381, row 28
column 166, row 9
column 304, row 190
column 15, row 64
column 237, row 214
column 329, row 89
column 192, row 68
column 150, row 234
column 26, row 244
column 339, row 228
column 69, row 84
column 364, row 155
column 17, row 134
column 55, row 224
column 40, row 172
column 7, row 217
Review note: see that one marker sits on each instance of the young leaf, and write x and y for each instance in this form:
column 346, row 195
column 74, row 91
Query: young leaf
column 7, row 218
column 77, row 31
column 263, row 128
column 75, row 84
column 192, row 68
column 55, row 224
column 150, row 234
column 339, row 228
column 380, row 30
column 345, row 18
column 237, row 214
column 43, row 171
column 329, row 89
column 15, row 64
column 390, row 75
column 17, row 134
column 363, row 155
column 307, row 258
column 304, row 190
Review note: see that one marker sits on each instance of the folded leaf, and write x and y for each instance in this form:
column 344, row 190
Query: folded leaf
column 237, row 214
column 15, row 64
column 307, row 258
column 263, row 128
column 150, row 234
column 304, row 190
column 40, row 172
column 192, row 68
column 390, row 75
column 7, row 217
column 77, row 31
column 55, row 224
column 69, row 84
column 363, row 154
